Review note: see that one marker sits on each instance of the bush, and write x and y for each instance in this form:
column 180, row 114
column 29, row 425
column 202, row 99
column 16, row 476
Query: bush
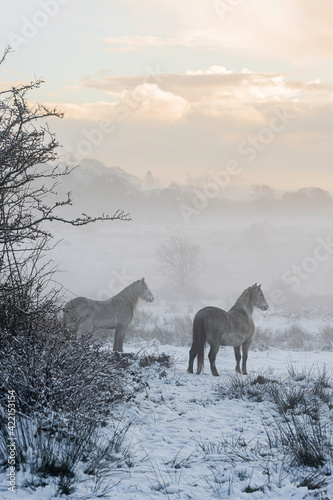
column 66, row 381
column 253, row 387
column 169, row 329
column 162, row 359
column 301, row 406
column 54, row 457
column 65, row 392
column 294, row 337
column 305, row 439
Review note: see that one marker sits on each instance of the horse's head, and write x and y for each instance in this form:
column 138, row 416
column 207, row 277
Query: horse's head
column 259, row 298
column 145, row 293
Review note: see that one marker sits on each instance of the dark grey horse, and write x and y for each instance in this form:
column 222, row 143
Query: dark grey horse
column 234, row 328
column 86, row 315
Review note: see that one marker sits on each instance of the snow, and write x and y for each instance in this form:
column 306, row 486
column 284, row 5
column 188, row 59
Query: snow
column 184, row 409
column 187, row 442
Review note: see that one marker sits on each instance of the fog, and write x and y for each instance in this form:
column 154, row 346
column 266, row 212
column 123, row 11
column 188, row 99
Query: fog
column 246, row 234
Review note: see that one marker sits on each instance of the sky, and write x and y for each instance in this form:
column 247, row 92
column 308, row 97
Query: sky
column 183, row 88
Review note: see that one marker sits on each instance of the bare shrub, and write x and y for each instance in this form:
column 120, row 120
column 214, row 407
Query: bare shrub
column 65, row 380
column 300, row 430
column 327, row 337
column 305, row 439
column 253, row 387
column 170, row 329
column 162, row 359
column 55, row 457
column 295, row 338
column 181, row 261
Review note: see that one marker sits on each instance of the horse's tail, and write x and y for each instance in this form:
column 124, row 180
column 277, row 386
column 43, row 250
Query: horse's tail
column 199, row 341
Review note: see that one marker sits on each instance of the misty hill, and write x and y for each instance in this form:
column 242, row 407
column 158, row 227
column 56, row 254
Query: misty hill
column 97, row 188
column 94, row 169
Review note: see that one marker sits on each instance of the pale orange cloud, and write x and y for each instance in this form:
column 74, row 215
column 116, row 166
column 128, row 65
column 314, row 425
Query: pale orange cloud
column 215, row 92
column 199, row 39
column 87, row 111
column 142, row 102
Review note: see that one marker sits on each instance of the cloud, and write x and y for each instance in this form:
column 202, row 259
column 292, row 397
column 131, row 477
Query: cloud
column 213, row 92
column 200, row 119
column 91, row 111
column 145, row 101
column 207, row 115
column 203, row 39
column 218, row 81
column 160, row 104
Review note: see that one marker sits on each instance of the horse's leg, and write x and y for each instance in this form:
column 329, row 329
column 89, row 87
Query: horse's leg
column 193, row 353
column 245, row 349
column 214, row 349
column 116, row 344
column 119, row 338
column 238, row 358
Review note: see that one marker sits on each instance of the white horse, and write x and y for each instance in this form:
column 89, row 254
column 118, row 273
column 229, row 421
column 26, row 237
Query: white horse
column 85, row 315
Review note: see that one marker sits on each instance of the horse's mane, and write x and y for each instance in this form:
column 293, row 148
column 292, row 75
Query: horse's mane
column 130, row 292
column 244, row 294
column 243, row 299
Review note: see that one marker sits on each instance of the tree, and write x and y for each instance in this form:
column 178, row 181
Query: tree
column 149, row 178
column 63, row 386
column 29, row 175
column 263, row 192
column 181, row 261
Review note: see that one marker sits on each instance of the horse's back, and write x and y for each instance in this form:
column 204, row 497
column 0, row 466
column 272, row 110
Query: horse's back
column 78, row 303
column 211, row 315
column 76, row 310
column 212, row 322
column 97, row 313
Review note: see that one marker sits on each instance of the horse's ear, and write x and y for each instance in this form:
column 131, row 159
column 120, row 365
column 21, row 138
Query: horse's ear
column 259, row 286
column 142, row 279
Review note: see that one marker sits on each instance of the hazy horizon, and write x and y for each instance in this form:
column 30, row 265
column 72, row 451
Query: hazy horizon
column 245, row 234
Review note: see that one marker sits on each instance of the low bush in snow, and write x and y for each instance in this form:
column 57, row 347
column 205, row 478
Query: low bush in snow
column 65, row 391
column 295, row 337
column 62, row 459
column 169, row 328
column 64, row 380
column 162, row 359
column 300, row 432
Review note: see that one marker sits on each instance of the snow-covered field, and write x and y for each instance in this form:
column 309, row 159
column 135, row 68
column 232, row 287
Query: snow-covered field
column 181, row 411
column 188, row 442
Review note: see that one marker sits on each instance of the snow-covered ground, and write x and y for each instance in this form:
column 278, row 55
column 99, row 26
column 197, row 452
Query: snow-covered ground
column 187, row 442
column 182, row 410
